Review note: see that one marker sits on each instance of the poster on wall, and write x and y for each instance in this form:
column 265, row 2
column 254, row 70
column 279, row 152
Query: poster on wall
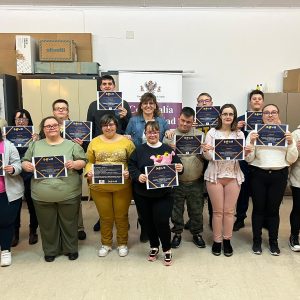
column 166, row 86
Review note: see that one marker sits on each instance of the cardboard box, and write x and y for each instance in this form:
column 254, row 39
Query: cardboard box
column 25, row 54
column 291, row 81
column 91, row 68
column 57, row 50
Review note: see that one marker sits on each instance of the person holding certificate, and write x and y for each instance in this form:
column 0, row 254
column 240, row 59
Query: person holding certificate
column 112, row 200
column 256, row 103
column 23, row 118
column 155, row 205
column 268, row 180
column 11, row 193
column 56, row 199
column 223, row 180
column 148, row 110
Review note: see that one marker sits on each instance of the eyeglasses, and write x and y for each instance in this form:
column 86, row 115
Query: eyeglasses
column 109, row 125
column 270, row 113
column 148, row 103
column 21, row 119
column 204, row 101
column 151, row 132
column 61, row 108
column 48, row 127
column 227, row 115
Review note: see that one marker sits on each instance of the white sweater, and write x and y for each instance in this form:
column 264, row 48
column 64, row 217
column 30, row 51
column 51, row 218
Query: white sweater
column 294, row 177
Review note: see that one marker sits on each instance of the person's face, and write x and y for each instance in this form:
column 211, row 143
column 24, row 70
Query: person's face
column 227, row 116
column 152, row 135
column 271, row 115
column 185, row 123
column 256, row 102
column 51, row 128
column 21, row 120
column 107, row 85
column 109, row 130
column 204, row 101
column 61, row 111
column 148, row 107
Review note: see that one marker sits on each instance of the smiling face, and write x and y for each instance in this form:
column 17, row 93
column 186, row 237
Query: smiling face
column 51, row 128
column 21, row 120
column 256, row 102
column 107, row 85
column 109, row 130
column 271, row 115
column 61, row 111
column 227, row 116
column 152, row 133
column 148, row 107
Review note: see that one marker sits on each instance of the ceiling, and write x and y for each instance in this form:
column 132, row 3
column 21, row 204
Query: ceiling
column 157, row 3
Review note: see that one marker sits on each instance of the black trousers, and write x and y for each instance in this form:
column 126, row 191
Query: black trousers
column 267, row 188
column 155, row 213
column 295, row 213
column 8, row 213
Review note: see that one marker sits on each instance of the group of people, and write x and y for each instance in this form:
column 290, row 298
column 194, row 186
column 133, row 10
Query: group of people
column 136, row 142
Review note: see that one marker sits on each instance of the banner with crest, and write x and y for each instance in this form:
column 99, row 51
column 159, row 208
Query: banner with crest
column 166, row 86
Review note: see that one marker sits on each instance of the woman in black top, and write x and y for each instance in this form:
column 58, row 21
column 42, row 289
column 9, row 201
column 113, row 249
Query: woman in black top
column 154, row 205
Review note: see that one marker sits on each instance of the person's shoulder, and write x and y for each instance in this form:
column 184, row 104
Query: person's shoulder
column 93, row 104
column 241, row 118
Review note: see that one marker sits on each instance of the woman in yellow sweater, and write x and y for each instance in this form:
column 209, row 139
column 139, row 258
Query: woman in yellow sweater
column 112, row 200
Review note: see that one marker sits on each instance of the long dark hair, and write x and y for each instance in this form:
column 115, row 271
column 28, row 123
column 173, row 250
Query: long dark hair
column 23, row 112
column 233, row 126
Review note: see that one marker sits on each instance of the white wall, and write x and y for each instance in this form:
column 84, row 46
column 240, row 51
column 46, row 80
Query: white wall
column 230, row 50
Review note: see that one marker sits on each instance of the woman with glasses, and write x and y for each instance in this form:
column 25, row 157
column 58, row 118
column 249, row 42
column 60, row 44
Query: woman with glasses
column 112, row 200
column 155, row 205
column 223, row 180
column 56, row 200
column 148, row 110
column 268, row 180
column 23, row 118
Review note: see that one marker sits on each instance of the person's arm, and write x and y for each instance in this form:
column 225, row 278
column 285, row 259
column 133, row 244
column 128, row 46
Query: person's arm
column 14, row 166
column 90, row 117
column 79, row 160
column 207, row 146
column 250, row 140
column 292, row 151
column 133, row 169
column 124, row 119
column 90, row 159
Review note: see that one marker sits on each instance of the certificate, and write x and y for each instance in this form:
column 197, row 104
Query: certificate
column 271, row 135
column 49, row 167
column 188, row 144
column 229, row 149
column 109, row 100
column 77, row 129
column 2, row 172
column 20, row 136
column 161, row 176
column 108, row 174
column 252, row 118
column 207, row 116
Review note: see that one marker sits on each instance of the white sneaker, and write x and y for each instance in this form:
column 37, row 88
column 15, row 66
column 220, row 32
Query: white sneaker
column 5, row 258
column 123, row 250
column 104, row 250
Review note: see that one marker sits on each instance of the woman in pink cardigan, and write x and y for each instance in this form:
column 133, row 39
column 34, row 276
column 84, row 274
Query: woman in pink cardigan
column 223, row 180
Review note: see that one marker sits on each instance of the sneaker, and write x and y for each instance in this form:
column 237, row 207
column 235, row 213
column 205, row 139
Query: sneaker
column 104, row 250
column 96, row 227
column 153, row 254
column 274, row 249
column 187, row 225
column 168, row 258
column 238, row 224
column 198, row 241
column 5, row 258
column 256, row 248
column 227, row 248
column 216, row 248
column 294, row 243
column 81, row 235
column 123, row 250
column 176, row 241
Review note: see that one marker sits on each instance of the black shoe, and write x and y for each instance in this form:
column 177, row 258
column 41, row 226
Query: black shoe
column 33, row 237
column 256, row 248
column 143, row 236
column 97, row 226
column 73, row 256
column 238, row 224
column 176, row 241
column 198, row 241
column 187, row 225
column 274, row 249
column 81, row 235
column 227, row 248
column 216, row 248
column 49, row 258
column 15, row 240
column 294, row 243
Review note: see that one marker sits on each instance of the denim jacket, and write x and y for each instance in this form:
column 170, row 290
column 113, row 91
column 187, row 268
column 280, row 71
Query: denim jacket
column 136, row 128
